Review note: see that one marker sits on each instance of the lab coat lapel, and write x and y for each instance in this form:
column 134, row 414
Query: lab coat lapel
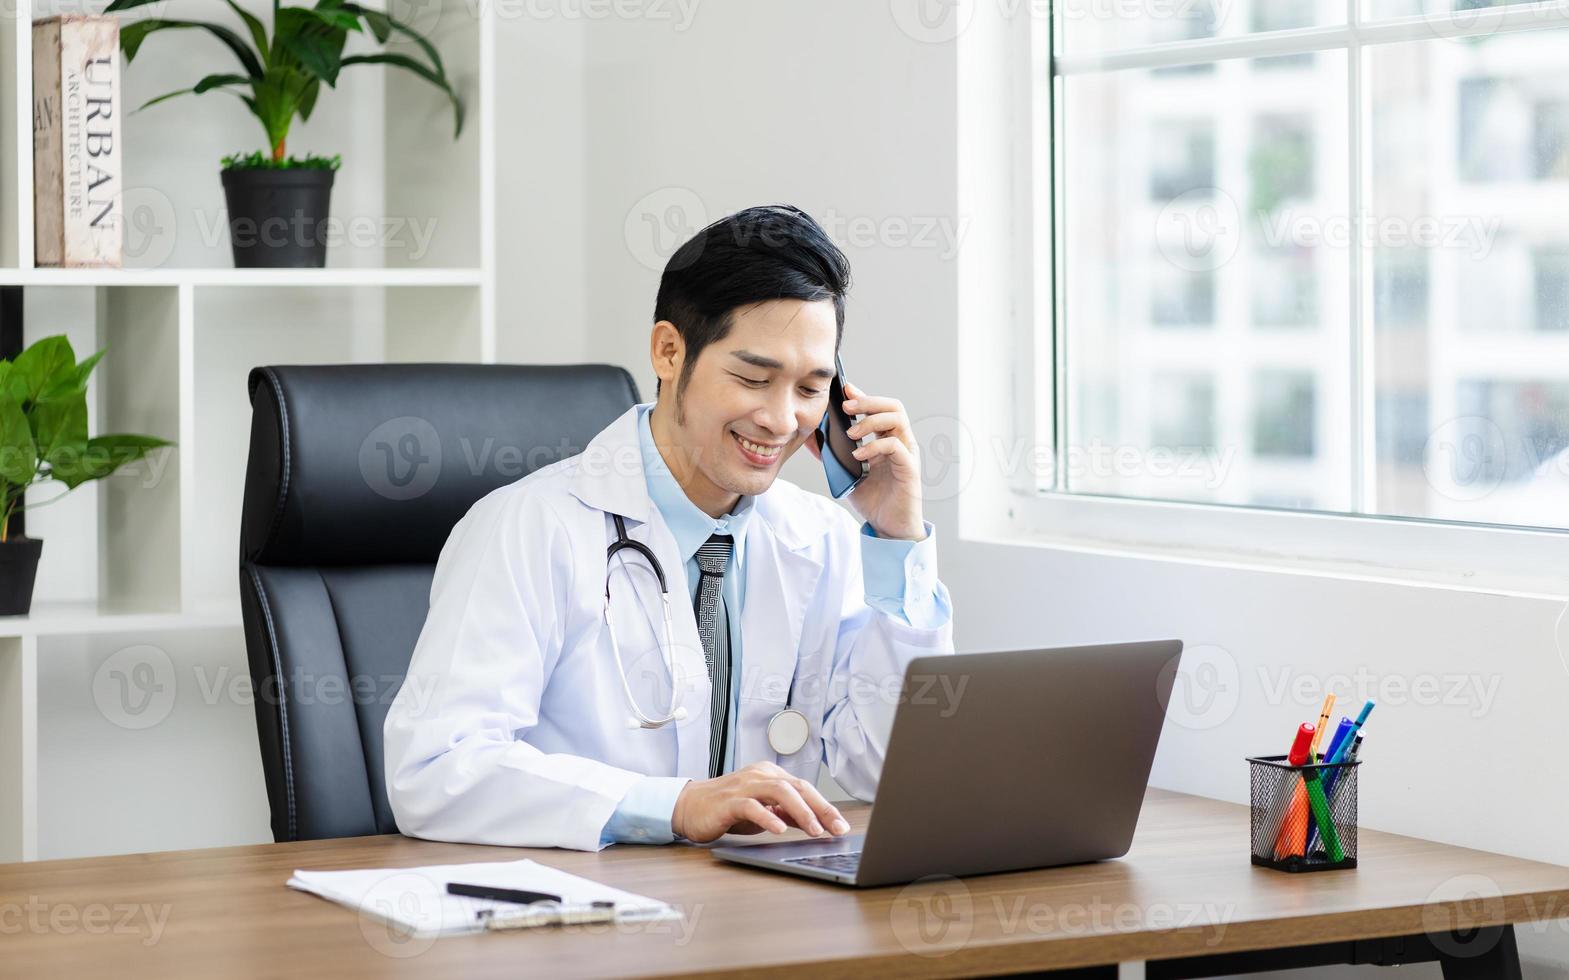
column 609, row 477
column 781, row 577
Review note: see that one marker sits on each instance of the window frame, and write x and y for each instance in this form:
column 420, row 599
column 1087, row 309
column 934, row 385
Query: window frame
column 1360, row 542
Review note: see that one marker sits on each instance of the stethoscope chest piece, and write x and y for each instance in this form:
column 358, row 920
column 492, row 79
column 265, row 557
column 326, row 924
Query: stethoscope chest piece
column 788, row 731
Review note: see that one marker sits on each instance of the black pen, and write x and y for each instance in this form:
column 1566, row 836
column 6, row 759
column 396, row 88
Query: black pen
column 500, row 894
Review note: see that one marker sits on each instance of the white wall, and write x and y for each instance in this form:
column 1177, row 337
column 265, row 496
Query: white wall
column 832, row 107
column 541, row 293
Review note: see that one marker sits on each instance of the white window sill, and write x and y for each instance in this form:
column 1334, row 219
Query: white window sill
column 1495, row 560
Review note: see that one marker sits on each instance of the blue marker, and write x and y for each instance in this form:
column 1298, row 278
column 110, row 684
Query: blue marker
column 1356, row 726
column 1341, row 733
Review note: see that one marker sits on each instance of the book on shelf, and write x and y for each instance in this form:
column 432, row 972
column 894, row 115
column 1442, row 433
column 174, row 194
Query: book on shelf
column 78, row 161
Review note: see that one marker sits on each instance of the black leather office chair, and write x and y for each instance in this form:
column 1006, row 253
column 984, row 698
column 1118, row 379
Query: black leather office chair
column 356, row 475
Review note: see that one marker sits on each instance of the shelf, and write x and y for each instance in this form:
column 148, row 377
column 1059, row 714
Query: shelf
column 242, row 277
column 147, row 556
column 59, row 618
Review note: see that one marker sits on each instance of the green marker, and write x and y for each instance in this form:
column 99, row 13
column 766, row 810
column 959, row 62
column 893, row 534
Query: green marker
column 1320, row 807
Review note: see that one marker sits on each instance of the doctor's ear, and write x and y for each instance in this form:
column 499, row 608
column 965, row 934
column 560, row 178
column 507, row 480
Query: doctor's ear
column 666, row 351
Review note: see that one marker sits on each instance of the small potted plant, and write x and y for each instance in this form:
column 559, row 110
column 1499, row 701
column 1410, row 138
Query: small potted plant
column 43, row 436
column 273, row 198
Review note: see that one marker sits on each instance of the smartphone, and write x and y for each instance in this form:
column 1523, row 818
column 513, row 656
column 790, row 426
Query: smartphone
column 835, row 443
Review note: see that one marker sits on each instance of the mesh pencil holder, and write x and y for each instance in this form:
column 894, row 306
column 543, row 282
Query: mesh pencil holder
column 1289, row 807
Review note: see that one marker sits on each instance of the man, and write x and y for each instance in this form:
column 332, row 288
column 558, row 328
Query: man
column 555, row 718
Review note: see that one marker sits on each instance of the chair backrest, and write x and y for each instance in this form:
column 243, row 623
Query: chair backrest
column 356, row 475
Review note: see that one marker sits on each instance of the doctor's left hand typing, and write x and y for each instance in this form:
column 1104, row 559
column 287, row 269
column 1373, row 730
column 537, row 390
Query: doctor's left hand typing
column 754, row 798
column 889, row 499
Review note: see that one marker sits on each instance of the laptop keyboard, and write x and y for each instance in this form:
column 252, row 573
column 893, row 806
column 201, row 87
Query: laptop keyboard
column 845, row 863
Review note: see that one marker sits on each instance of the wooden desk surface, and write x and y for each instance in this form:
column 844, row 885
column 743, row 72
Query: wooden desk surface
column 1186, row 888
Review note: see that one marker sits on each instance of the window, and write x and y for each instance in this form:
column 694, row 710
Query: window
column 1328, row 256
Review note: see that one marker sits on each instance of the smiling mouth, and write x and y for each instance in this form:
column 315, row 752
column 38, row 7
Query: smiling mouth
column 756, row 453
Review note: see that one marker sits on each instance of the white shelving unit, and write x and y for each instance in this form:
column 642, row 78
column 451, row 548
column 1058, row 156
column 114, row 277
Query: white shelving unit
column 150, row 557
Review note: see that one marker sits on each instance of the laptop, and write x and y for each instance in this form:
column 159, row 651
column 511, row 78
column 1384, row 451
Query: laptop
column 1002, row 762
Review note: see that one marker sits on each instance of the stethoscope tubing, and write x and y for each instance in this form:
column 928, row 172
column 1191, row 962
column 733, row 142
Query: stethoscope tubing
column 786, row 735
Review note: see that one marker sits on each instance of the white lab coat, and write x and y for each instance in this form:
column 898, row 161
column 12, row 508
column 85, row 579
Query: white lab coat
column 512, row 725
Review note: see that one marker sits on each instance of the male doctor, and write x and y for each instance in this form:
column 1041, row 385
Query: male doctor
column 542, row 724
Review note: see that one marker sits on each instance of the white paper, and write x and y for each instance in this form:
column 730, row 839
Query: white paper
column 415, row 900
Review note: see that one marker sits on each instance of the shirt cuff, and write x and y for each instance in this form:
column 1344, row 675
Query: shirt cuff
column 900, row 577
column 643, row 815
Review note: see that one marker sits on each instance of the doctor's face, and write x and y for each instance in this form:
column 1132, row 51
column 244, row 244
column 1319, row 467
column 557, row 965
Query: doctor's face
column 752, row 399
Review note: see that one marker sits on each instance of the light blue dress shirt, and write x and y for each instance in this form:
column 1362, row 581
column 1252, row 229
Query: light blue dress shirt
column 643, row 815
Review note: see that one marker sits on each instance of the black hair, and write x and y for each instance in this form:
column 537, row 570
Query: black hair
column 755, row 255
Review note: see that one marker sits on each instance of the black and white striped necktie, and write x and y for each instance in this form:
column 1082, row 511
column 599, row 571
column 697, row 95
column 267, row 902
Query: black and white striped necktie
column 713, row 626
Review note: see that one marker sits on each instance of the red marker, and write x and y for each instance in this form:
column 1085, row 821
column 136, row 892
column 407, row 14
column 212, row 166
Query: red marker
column 1293, row 830
column 1301, row 747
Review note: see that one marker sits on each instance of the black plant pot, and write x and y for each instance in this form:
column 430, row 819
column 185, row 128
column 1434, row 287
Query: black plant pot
column 18, row 568
column 278, row 218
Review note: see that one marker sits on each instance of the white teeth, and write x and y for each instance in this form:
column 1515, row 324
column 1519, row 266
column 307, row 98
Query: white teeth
column 759, row 450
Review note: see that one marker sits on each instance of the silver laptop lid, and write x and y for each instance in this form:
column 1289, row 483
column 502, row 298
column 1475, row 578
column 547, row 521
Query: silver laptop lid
column 1021, row 759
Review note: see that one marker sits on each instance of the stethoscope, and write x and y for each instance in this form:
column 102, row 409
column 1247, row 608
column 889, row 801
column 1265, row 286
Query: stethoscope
column 788, row 729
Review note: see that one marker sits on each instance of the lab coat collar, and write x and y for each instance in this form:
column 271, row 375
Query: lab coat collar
column 610, row 477
column 608, row 474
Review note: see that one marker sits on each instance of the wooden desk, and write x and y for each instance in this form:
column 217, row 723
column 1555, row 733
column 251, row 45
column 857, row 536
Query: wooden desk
column 1185, row 890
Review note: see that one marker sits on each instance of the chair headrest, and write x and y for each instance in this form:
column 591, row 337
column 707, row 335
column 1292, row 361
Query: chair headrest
column 359, row 464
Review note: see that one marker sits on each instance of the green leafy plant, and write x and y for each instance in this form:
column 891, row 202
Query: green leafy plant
column 43, row 427
column 257, row 160
column 285, row 72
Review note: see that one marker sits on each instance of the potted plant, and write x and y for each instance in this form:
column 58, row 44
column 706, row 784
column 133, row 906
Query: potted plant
column 272, row 198
column 43, row 436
